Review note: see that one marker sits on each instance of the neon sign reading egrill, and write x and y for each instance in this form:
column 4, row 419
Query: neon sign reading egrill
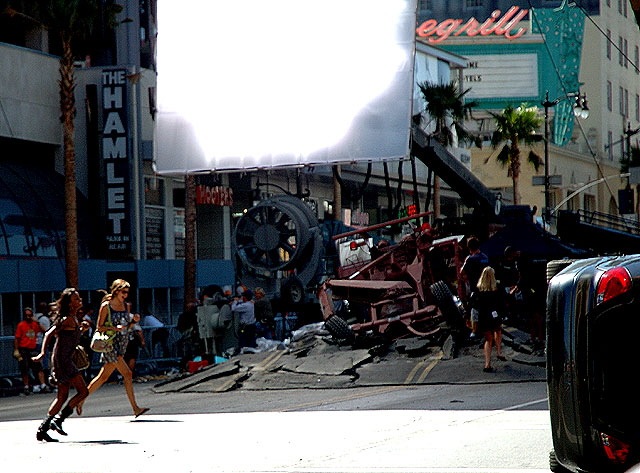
column 438, row 32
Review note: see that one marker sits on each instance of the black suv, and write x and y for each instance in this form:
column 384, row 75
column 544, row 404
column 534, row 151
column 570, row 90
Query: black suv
column 593, row 357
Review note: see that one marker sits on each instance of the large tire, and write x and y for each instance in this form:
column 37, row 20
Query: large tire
column 554, row 464
column 339, row 329
column 292, row 290
column 447, row 305
column 555, row 266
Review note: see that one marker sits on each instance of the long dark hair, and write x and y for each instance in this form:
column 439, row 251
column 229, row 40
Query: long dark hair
column 64, row 304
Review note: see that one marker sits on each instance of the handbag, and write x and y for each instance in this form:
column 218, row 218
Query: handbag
column 103, row 342
column 80, row 358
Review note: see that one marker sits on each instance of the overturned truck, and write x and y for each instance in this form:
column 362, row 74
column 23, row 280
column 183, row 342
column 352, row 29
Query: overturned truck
column 413, row 287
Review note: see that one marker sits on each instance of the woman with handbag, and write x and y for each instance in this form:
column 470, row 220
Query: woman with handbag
column 67, row 328
column 114, row 318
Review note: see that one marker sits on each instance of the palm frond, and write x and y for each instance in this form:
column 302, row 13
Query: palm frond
column 503, row 156
column 535, row 160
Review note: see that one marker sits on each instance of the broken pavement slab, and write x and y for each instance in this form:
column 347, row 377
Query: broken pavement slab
column 183, row 382
column 289, row 380
column 219, row 385
column 332, row 364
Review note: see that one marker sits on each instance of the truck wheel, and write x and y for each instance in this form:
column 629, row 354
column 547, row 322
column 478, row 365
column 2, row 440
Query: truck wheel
column 555, row 266
column 554, row 464
column 339, row 329
column 447, row 305
column 292, row 290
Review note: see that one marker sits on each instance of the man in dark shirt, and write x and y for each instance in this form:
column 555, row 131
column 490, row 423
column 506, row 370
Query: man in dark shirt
column 474, row 263
column 264, row 314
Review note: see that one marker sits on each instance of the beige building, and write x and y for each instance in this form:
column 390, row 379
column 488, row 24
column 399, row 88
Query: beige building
column 563, row 51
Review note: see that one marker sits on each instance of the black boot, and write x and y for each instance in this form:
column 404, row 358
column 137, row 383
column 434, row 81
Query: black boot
column 42, row 430
column 56, row 423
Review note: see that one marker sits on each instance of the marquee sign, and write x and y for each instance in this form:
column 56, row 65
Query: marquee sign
column 497, row 24
column 115, row 157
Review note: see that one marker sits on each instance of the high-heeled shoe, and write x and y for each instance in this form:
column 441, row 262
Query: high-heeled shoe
column 44, row 436
column 56, row 424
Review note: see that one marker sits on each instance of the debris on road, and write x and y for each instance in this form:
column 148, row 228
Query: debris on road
column 312, row 359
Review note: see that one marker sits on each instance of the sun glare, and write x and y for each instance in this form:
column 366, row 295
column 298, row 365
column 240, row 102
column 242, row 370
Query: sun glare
column 283, row 82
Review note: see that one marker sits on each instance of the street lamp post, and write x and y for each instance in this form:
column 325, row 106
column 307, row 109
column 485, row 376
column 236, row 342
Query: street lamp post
column 580, row 109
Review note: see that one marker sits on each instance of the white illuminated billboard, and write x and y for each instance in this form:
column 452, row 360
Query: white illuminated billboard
column 260, row 84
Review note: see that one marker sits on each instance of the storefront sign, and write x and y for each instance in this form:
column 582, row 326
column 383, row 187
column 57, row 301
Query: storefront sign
column 359, row 218
column 496, row 24
column 115, row 157
column 214, row 195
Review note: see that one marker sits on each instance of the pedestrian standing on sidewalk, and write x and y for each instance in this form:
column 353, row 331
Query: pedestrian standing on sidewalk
column 67, row 328
column 245, row 311
column 265, row 325
column 488, row 302
column 474, row 263
column 136, row 342
column 113, row 304
column 24, row 349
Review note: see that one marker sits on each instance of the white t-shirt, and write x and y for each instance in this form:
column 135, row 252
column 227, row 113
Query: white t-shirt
column 45, row 324
column 151, row 321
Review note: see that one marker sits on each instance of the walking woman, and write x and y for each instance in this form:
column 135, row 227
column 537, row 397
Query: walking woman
column 488, row 302
column 67, row 328
column 113, row 308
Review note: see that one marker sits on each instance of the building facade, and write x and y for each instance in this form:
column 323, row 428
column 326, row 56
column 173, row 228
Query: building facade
column 524, row 52
column 131, row 220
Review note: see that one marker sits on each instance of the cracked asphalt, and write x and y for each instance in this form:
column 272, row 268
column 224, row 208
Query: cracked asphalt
column 316, row 363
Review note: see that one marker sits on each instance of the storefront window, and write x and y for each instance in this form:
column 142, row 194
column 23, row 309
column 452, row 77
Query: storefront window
column 154, row 191
column 11, row 313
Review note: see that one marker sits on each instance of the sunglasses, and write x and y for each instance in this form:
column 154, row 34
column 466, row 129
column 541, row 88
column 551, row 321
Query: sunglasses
column 124, row 291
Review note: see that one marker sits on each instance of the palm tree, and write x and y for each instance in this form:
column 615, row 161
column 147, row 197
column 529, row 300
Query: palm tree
column 516, row 126
column 71, row 21
column 446, row 106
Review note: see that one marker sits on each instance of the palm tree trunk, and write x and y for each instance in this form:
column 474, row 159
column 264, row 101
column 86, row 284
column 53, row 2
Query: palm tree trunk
column 515, row 172
column 516, row 190
column 190, row 240
column 67, row 115
column 337, row 195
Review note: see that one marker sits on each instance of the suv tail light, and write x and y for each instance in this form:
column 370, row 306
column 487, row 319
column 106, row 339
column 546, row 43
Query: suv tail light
column 616, row 450
column 612, row 283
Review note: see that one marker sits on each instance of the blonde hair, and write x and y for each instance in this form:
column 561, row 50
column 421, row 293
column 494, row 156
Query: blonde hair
column 487, row 280
column 117, row 285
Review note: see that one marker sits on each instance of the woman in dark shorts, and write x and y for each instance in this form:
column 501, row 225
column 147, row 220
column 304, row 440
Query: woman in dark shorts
column 67, row 328
column 488, row 301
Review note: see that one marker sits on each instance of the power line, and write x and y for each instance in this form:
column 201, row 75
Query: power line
column 606, row 36
column 594, row 155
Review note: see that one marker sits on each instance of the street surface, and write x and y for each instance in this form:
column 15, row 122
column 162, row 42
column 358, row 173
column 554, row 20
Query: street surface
column 495, row 427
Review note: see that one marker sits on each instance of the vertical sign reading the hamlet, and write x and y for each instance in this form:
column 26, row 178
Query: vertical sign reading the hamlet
column 116, row 162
